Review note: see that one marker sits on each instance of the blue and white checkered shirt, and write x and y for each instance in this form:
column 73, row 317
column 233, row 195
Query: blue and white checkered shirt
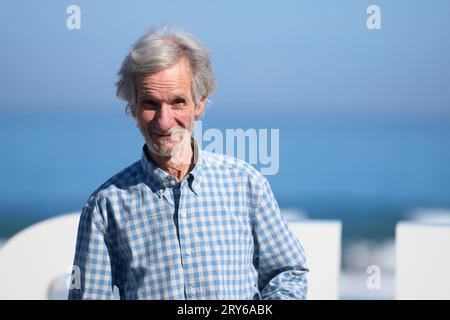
column 218, row 234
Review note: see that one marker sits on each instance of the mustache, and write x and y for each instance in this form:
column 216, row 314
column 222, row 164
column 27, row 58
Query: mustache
column 165, row 132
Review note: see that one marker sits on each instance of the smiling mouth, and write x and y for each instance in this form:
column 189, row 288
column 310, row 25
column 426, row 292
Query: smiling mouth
column 161, row 137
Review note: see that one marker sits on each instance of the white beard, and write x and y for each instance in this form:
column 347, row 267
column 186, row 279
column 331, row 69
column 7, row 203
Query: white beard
column 178, row 153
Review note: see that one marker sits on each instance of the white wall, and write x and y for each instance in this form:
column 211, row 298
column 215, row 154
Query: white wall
column 321, row 240
column 422, row 261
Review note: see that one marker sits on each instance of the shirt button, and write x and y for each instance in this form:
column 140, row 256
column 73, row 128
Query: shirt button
column 183, row 214
column 188, row 253
column 193, row 291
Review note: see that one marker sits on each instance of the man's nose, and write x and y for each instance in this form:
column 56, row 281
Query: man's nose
column 164, row 118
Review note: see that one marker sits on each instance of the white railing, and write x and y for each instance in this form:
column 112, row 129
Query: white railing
column 321, row 240
column 36, row 262
column 422, row 261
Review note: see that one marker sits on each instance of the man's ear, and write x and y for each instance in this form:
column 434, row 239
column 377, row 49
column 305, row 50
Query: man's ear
column 200, row 108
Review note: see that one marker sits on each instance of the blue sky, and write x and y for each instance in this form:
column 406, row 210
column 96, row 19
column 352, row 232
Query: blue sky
column 268, row 56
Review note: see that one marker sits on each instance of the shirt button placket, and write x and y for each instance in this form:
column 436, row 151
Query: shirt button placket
column 191, row 292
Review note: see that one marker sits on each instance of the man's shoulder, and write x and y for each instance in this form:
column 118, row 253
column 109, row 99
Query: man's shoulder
column 228, row 171
column 122, row 181
column 222, row 164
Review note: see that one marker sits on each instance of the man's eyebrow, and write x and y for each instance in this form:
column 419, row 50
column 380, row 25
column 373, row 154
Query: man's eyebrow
column 144, row 93
column 178, row 96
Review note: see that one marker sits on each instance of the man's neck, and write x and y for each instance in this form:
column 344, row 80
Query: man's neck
column 178, row 165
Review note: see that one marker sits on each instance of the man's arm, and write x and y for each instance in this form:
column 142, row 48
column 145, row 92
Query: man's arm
column 91, row 275
column 279, row 256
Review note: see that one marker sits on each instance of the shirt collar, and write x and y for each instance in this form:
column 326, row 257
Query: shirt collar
column 159, row 179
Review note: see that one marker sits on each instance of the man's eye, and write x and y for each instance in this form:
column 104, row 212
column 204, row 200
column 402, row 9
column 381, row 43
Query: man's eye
column 149, row 103
column 179, row 102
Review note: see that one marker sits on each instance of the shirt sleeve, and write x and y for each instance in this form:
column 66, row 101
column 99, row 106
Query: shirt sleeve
column 279, row 256
column 92, row 272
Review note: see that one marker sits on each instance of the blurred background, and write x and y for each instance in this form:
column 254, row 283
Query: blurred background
column 364, row 115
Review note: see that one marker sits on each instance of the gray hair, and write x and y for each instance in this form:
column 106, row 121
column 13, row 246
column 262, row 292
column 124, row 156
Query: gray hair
column 159, row 49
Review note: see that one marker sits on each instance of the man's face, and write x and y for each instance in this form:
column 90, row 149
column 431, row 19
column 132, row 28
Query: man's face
column 166, row 110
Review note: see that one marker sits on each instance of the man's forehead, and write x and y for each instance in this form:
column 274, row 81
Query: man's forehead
column 176, row 80
column 146, row 89
column 148, row 92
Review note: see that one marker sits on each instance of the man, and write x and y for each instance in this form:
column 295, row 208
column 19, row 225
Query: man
column 182, row 223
